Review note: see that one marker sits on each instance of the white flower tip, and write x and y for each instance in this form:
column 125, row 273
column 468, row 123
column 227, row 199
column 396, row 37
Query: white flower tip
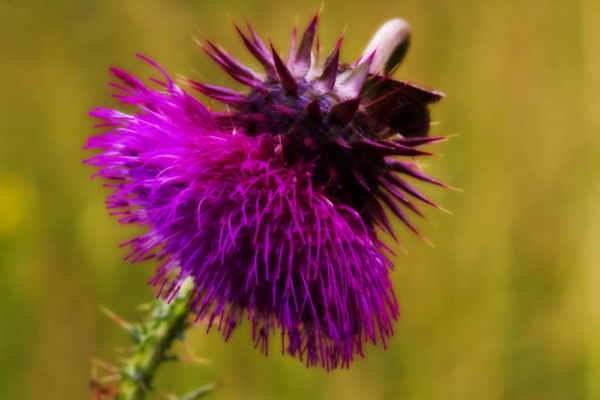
column 391, row 42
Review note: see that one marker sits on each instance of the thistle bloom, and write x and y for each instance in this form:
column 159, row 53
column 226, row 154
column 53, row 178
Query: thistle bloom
column 272, row 207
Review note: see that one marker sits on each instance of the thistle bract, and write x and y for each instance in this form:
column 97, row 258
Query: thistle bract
column 272, row 207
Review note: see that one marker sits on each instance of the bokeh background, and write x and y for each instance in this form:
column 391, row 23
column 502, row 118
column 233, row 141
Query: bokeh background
column 505, row 306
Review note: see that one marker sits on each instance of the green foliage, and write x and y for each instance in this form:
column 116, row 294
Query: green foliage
column 152, row 338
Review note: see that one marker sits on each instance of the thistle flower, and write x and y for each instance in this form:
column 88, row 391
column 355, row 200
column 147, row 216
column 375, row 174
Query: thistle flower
column 272, row 207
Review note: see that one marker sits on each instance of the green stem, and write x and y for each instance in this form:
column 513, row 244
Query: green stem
column 153, row 338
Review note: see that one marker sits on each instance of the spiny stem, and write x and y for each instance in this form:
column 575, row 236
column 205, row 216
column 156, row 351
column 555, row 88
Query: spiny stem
column 152, row 339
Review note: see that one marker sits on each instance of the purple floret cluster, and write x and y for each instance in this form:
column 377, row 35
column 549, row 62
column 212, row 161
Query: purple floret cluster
column 272, row 207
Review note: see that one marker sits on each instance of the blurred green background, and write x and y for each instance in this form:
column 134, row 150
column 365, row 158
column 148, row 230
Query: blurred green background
column 505, row 306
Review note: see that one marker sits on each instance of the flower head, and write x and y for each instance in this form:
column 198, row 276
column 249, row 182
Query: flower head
column 272, row 208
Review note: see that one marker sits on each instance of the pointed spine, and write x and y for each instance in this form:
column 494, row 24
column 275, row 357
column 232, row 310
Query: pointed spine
column 360, row 179
column 234, row 74
column 211, row 90
column 408, row 169
column 263, row 58
column 314, row 109
column 301, row 63
column 384, row 148
column 419, row 141
column 224, row 95
column 380, row 213
column 396, row 181
column 292, row 52
column 257, row 41
column 232, row 63
column 394, row 191
column 345, row 111
column 397, row 211
column 326, row 82
column 384, row 105
column 287, row 80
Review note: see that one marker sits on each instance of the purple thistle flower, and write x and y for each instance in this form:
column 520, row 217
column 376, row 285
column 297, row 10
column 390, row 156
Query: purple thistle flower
column 273, row 208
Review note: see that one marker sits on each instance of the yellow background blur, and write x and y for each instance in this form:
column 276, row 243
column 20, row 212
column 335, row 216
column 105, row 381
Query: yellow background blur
column 505, row 306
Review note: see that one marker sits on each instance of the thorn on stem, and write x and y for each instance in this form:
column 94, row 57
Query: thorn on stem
column 102, row 364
